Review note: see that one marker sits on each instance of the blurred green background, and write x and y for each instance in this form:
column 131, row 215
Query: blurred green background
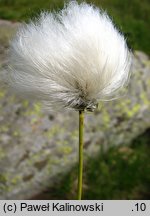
column 122, row 172
column 131, row 16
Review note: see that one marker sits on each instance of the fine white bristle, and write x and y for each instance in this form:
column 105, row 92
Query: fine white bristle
column 74, row 58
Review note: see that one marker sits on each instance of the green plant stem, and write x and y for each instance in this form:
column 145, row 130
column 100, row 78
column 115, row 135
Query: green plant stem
column 80, row 169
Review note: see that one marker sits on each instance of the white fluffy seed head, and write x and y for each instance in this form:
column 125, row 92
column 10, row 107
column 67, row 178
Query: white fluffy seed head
column 73, row 58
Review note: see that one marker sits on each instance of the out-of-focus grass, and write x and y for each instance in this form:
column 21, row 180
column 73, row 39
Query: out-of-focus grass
column 132, row 17
column 120, row 173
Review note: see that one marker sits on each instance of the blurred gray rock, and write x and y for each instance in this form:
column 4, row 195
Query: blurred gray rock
column 37, row 148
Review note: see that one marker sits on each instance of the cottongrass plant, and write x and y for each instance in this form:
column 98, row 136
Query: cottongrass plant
column 70, row 59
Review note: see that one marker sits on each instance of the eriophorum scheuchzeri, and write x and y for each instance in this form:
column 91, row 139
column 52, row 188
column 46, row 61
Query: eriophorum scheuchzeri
column 70, row 59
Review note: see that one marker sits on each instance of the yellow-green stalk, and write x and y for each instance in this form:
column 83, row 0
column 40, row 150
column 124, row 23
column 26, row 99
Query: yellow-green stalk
column 80, row 169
